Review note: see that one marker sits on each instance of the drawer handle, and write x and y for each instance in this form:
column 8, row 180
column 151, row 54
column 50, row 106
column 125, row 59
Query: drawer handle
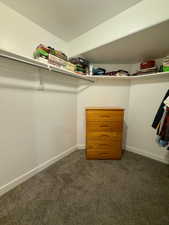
column 104, row 126
column 103, row 145
column 104, row 135
column 106, row 116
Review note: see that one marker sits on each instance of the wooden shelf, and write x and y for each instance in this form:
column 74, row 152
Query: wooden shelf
column 146, row 76
column 36, row 63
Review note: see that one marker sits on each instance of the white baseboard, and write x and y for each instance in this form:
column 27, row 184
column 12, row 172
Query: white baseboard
column 81, row 147
column 146, row 154
column 137, row 151
column 12, row 184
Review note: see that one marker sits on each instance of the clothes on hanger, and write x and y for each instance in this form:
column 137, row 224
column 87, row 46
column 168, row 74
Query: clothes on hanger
column 160, row 112
column 161, row 122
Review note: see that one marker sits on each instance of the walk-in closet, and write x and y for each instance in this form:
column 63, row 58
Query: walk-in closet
column 84, row 112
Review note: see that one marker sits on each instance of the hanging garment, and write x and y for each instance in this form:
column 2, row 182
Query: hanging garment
column 161, row 123
column 166, row 102
column 164, row 133
column 162, row 119
column 160, row 112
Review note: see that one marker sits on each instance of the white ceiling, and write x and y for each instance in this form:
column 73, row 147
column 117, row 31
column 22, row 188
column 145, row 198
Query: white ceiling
column 150, row 43
column 67, row 19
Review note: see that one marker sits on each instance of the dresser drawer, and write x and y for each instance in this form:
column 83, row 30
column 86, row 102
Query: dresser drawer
column 107, row 126
column 99, row 155
column 93, row 145
column 103, row 155
column 100, row 145
column 104, row 136
column 104, row 115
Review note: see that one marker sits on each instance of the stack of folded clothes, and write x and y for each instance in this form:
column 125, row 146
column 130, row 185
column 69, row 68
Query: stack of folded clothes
column 82, row 65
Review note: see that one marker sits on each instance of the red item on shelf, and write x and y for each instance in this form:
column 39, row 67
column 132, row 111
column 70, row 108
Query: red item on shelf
column 148, row 64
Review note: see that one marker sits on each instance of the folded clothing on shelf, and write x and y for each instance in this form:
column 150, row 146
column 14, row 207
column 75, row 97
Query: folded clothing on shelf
column 118, row 73
column 112, row 73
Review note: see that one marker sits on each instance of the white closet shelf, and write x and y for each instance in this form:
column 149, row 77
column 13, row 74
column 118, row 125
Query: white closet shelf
column 90, row 78
column 36, row 63
column 146, row 76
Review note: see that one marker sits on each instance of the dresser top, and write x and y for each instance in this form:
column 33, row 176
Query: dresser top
column 106, row 108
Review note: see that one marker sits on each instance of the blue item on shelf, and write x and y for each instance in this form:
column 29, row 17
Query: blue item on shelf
column 99, row 71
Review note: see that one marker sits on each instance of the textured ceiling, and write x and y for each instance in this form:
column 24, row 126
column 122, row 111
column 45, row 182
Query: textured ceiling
column 67, row 19
column 146, row 44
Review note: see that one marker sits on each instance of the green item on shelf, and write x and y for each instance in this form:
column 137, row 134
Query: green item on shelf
column 40, row 53
column 165, row 68
column 80, row 69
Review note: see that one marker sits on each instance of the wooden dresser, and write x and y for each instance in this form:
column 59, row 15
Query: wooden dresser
column 104, row 128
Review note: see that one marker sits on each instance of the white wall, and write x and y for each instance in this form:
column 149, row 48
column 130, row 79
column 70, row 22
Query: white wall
column 144, row 14
column 35, row 126
column 20, row 35
column 102, row 93
column 141, row 100
column 38, row 126
column 145, row 98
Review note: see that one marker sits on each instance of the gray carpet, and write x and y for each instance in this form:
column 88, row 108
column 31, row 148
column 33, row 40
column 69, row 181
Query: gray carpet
column 73, row 191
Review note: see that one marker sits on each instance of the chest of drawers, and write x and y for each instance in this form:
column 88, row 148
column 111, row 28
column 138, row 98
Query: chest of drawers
column 104, row 129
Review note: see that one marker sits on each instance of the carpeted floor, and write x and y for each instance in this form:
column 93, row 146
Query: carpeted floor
column 133, row 191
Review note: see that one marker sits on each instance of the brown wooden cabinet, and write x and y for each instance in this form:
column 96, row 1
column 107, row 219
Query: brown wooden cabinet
column 104, row 127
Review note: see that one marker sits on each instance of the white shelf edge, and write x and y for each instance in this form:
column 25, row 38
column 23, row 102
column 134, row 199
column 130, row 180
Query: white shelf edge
column 152, row 75
column 108, row 77
column 36, row 63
